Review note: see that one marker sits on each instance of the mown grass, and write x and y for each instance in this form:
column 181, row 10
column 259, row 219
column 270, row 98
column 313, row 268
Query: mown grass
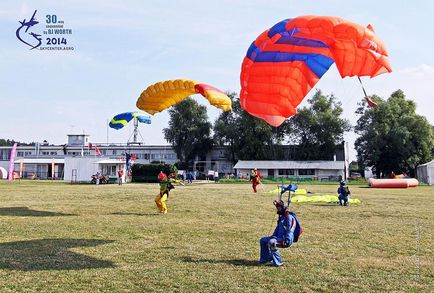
column 59, row 237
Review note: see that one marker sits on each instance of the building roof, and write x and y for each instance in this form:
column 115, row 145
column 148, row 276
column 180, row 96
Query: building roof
column 40, row 161
column 325, row 165
column 427, row 164
column 111, row 161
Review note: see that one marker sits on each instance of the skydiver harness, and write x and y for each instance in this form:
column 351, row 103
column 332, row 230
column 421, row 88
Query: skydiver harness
column 168, row 187
column 344, row 190
column 253, row 176
column 295, row 226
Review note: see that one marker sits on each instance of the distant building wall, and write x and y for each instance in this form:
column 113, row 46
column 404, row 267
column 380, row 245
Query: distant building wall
column 80, row 169
column 425, row 173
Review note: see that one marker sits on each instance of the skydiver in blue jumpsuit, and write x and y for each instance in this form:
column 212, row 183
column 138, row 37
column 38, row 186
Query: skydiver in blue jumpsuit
column 283, row 236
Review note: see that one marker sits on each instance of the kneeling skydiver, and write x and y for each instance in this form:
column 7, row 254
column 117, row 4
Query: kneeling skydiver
column 285, row 234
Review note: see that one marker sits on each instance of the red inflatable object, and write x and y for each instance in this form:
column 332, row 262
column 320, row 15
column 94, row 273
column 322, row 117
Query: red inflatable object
column 393, row 183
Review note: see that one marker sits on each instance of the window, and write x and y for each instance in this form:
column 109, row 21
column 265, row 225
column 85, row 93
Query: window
column 270, row 172
column 156, row 156
column 302, row 172
column 285, row 172
column 113, row 170
column 142, row 156
column 4, row 154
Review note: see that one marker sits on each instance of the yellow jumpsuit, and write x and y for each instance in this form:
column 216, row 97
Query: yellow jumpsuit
column 161, row 198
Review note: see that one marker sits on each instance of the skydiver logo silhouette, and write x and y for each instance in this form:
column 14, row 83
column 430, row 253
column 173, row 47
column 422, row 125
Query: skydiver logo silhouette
column 29, row 24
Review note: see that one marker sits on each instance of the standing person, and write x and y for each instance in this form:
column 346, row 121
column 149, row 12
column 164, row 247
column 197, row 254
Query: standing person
column 165, row 187
column 120, row 174
column 254, row 177
column 343, row 192
column 286, row 233
column 216, row 176
column 98, row 174
column 190, row 177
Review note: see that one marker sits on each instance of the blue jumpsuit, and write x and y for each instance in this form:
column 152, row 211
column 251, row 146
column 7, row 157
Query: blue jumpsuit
column 284, row 233
column 343, row 192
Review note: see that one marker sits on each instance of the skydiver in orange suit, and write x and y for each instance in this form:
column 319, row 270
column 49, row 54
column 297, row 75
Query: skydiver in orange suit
column 255, row 178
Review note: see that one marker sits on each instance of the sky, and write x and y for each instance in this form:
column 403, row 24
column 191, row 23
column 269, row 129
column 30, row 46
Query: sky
column 122, row 47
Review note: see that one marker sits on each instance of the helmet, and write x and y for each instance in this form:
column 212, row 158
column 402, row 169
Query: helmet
column 161, row 176
column 255, row 169
column 280, row 204
column 343, row 182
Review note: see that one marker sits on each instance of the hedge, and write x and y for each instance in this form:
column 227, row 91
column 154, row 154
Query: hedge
column 149, row 172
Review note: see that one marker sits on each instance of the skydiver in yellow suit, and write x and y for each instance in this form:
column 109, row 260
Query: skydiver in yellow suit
column 165, row 187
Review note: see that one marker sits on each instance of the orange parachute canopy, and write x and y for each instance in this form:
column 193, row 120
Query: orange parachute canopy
column 284, row 63
column 165, row 94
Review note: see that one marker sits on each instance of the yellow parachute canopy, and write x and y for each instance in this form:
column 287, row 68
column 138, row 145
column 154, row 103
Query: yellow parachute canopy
column 165, row 94
column 321, row 198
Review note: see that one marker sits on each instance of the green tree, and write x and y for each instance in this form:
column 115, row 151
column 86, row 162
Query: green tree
column 189, row 130
column 226, row 126
column 9, row 142
column 317, row 129
column 247, row 137
column 393, row 137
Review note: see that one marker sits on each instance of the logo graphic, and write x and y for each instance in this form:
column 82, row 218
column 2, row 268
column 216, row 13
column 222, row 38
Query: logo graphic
column 35, row 40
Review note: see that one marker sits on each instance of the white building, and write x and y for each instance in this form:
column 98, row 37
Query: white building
column 77, row 161
column 321, row 170
column 425, row 173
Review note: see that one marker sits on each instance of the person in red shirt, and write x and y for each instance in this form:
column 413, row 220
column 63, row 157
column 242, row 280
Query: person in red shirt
column 120, row 174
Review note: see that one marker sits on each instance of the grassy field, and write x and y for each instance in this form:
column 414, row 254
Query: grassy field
column 59, row 237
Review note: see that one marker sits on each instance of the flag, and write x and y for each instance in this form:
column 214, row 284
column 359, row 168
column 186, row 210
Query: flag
column 128, row 161
column 11, row 162
column 98, row 151
column 90, row 146
column 52, row 168
column 21, row 168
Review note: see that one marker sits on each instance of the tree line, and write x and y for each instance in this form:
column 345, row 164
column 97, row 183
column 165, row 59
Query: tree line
column 391, row 137
column 11, row 142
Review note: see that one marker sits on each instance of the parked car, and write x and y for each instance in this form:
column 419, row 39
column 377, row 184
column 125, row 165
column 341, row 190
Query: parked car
column 355, row 175
column 103, row 179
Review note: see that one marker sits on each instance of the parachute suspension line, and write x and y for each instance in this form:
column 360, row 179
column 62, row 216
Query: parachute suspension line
column 358, row 77
column 370, row 102
column 290, row 192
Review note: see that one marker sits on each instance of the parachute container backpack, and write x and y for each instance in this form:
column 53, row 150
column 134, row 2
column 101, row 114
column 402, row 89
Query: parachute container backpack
column 298, row 230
